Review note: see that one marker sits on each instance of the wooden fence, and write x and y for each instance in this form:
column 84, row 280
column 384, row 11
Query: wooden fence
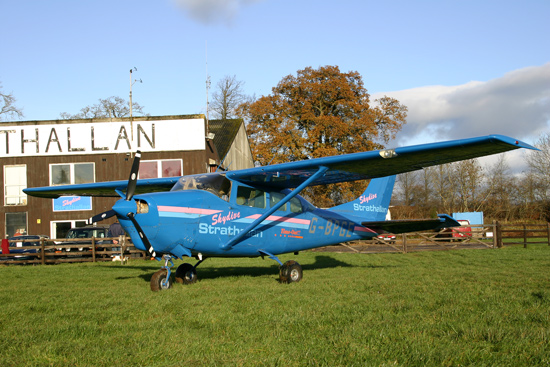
column 55, row 251
column 496, row 235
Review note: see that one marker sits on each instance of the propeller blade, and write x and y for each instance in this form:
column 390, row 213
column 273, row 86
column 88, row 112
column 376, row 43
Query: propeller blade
column 142, row 235
column 101, row 216
column 132, row 180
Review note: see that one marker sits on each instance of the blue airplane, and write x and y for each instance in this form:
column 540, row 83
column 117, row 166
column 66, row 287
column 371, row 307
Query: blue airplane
column 258, row 212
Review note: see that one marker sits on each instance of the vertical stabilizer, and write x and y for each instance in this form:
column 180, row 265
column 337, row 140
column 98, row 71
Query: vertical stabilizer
column 374, row 203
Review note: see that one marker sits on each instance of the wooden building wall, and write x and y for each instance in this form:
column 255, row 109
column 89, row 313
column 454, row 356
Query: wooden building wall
column 108, row 167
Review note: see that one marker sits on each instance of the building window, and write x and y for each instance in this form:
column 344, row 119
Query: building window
column 16, row 224
column 71, row 173
column 15, row 180
column 160, row 168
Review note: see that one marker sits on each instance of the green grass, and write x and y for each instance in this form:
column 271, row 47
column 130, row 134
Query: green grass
column 445, row 308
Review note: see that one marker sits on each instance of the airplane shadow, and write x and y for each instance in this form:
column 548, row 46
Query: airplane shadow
column 206, row 272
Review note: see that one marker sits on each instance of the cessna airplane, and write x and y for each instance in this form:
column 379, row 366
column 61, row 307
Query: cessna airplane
column 258, row 212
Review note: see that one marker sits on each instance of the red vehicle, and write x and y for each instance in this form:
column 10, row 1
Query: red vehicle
column 457, row 233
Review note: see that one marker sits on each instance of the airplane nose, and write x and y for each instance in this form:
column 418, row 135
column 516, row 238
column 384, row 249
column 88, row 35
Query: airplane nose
column 123, row 207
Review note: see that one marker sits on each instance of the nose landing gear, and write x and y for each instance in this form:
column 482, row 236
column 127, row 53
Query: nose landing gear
column 161, row 279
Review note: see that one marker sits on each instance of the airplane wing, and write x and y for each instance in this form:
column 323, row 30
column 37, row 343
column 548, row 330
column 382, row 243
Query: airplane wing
column 342, row 168
column 377, row 163
column 106, row 189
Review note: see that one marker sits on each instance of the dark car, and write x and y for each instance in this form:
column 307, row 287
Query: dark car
column 85, row 233
column 24, row 245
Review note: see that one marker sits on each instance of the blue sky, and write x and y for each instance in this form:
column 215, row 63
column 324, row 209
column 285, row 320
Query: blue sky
column 464, row 68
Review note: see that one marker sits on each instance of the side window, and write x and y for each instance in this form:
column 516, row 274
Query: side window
column 15, row 180
column 248, row 196
column 295, row 205
column 274, row 198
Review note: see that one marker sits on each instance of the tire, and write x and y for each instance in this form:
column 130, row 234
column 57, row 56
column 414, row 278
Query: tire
column 186, row 274
column 290, row 272
column 157, row 281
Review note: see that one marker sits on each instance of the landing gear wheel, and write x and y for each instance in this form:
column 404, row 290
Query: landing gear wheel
column 186, row 274
column 290, row 272
column 159, row 281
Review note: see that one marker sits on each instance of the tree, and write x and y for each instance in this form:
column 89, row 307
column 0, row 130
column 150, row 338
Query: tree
column 228, row 97
column 539, row 167
column 320, row 112
column 112, row 107
column 8, row 110
column 468, row 180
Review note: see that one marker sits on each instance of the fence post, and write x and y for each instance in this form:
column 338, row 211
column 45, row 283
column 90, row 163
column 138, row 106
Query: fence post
column 93, row 249
column 42, row 251
column 498, row 234
column 524, row 236
column 123, row 247
column 548, row 233
column 494, row 229
column 404, row 243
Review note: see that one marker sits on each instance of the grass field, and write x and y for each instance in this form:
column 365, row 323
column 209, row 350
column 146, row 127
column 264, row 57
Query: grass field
column 446, row 308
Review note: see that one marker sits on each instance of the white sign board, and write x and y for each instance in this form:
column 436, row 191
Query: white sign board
column 101, row 137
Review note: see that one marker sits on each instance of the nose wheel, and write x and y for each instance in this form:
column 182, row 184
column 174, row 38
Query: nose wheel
column 161, row 279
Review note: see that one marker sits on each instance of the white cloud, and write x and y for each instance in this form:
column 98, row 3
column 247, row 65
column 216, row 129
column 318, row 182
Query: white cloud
column 213, row 11
column 517, row 104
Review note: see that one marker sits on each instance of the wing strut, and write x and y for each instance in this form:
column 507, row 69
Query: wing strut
column 320, row 172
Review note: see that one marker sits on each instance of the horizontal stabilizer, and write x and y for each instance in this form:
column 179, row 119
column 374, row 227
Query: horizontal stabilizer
column 412, row 225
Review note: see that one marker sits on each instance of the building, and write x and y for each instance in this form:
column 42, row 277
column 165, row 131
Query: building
column 59, row 152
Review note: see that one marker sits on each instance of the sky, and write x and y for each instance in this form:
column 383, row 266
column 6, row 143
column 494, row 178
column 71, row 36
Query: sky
column 463, row 68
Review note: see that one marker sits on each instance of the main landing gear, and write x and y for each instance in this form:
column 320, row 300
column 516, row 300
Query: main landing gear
column 187, row 273
column 289, row 272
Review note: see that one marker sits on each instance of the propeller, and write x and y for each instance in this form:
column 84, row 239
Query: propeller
column 142, row 235
column 124, row 208
column 132, row 180
column 130, row 190
column 101, row 216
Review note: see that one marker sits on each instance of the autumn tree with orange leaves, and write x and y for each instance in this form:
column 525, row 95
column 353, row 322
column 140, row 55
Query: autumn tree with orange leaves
column 318, row 113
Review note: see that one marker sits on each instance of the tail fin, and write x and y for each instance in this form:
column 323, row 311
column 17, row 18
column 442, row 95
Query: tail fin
column 374, row 203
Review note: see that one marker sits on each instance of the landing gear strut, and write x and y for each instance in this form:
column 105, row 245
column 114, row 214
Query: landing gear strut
column 161, row 279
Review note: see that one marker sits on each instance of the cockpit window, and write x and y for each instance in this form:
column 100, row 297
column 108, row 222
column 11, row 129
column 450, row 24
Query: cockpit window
column 256, row 198
column 251, row 197
column 216, row 183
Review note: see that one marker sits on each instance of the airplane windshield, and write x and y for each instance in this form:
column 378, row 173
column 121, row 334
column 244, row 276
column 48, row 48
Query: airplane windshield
column 215, row 183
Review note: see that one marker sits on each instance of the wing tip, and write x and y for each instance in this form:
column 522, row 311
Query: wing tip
column 513, row 142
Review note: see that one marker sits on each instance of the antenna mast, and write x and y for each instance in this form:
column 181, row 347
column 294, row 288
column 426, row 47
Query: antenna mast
column 207, row 89
column 132, row 82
